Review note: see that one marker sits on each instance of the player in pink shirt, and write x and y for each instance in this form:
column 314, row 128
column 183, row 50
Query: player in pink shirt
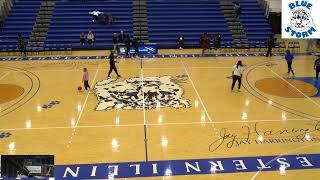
column 85, row 79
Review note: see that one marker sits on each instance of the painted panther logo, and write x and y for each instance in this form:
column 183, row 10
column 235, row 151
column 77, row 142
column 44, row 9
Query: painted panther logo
column 128, row 94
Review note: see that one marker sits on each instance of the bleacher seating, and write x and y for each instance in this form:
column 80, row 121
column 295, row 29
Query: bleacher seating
column 20, row 20
column 168, row 19
column 254, row 21
column 70, row 18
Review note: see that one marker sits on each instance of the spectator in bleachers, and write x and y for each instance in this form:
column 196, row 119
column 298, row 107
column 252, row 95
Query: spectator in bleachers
column 217, row 41
column 21, row 45
column 204, row 41
column 237, row 9
column 121, row 37
column 95, row 15
column 82, row 38
column 270, row 44
column 115, row 40
column 180, row 41
column 110, row 18
column 127, row 43
column 90, row 37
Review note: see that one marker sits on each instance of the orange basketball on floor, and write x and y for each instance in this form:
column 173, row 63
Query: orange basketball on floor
column 79, row 88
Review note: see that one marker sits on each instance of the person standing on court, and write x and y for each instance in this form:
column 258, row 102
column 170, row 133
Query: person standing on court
column 85, row 79
column 115, row 40
column 270, row 44
column 127, row 43
column 112, row 65
column 136, row 46
column 317, row 67
column 237, row 75
column 180, row 41
column 289, row 58
column 21, row 45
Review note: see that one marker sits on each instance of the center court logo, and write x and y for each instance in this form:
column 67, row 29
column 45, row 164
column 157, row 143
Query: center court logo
column 298, row 19
column 138, row 93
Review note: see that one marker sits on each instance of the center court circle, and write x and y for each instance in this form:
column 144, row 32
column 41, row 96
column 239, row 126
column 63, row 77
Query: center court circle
column 278, row 87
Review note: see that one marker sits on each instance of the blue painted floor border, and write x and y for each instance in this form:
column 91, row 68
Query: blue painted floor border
column 187, row 167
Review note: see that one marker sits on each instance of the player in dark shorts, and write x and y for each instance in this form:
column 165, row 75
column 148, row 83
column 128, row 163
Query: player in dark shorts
column 269, row 44
column 317, row 67
column 112, row 65
column 135, row 44
column 21, row 45
column 289, row 58
column 127, row 43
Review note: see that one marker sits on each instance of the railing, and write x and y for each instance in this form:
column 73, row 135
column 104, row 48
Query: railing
column 5, row 7
column 265, row 6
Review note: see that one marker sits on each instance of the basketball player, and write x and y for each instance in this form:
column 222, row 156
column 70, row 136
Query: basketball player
column 270, row 44
column 289, row 58
column 317, row 67
column 237, row 75
column 85, row 79
column 112, row 65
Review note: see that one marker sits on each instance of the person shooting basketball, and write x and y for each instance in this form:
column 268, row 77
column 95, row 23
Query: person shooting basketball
column 112, row 65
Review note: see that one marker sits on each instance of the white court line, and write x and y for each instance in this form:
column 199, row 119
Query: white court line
column 294, row 87
column 85, row 101
column 153, row 124
column 6, row 74
column 143, row 101
column 81, row 111
column 195, row 89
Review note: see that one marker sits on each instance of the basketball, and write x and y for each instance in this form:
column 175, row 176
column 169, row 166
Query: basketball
column 79, row 88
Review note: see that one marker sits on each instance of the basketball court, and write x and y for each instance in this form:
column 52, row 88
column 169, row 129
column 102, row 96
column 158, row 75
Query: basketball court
column 162, row 110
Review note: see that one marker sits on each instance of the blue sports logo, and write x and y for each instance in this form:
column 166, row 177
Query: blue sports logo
column 301, row 23
column 5, row 135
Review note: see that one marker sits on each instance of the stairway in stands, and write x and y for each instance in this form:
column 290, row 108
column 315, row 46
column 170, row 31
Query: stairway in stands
column 40, row 28
column 238, row 33
column 140, row 20
column 20, row 20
